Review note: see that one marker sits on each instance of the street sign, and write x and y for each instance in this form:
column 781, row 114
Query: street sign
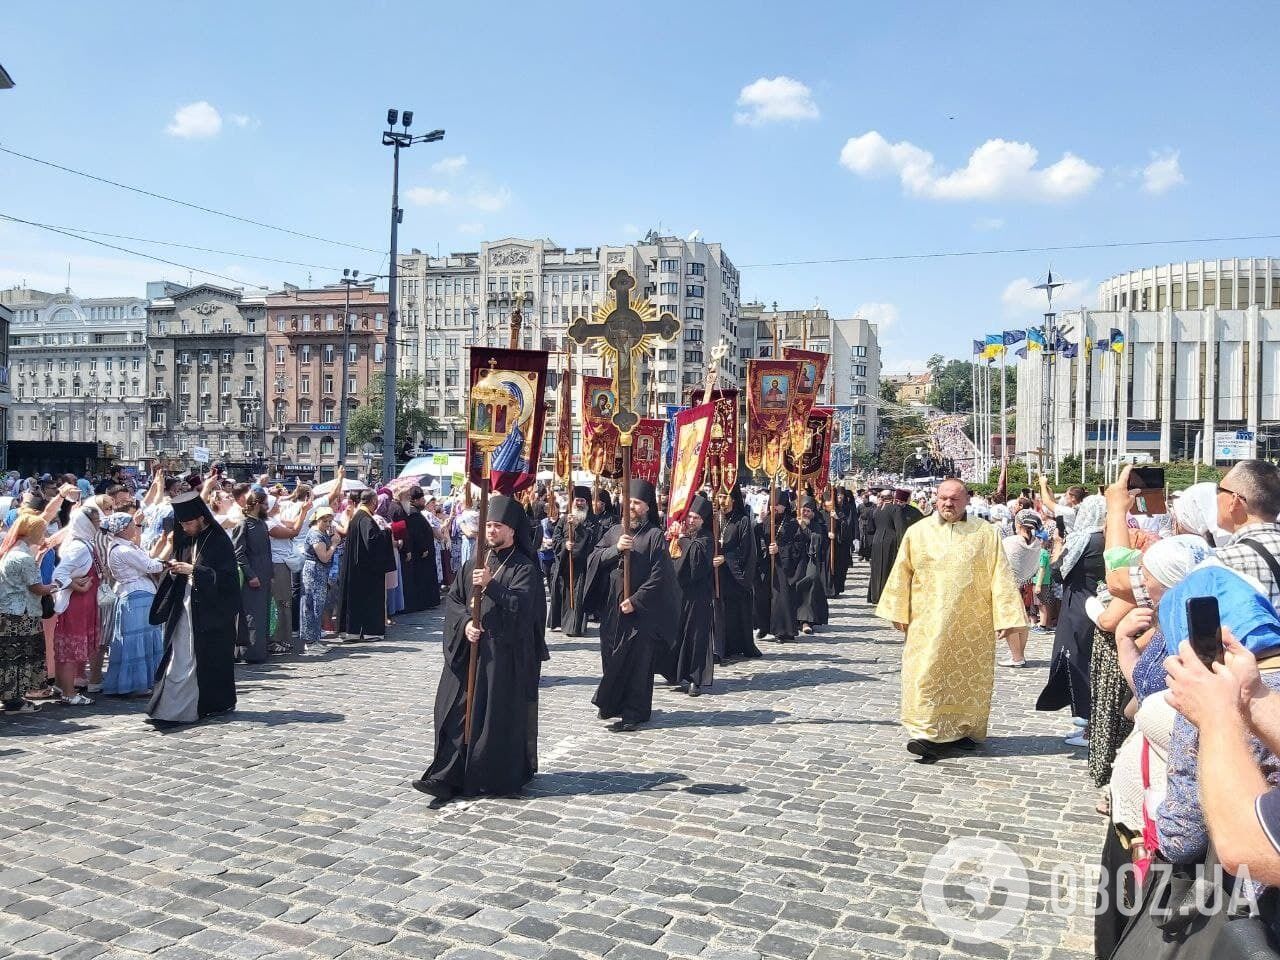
column 440, row 459
column 1230, row 445
column 200, row 454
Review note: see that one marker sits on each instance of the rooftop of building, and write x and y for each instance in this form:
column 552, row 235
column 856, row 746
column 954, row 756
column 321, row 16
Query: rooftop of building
column 28, row 297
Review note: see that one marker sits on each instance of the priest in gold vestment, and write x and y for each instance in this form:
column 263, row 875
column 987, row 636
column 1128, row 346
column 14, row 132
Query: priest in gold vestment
column 951, row 592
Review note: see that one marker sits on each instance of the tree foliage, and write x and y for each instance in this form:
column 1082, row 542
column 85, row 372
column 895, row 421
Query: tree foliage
column 902, row 437
column 412, row 420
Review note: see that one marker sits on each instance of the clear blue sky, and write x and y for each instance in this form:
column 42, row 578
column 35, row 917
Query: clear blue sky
column 589, row 123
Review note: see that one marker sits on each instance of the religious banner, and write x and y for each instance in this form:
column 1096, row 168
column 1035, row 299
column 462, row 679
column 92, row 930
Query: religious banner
column 813, row 369
column 808, row 466
column 722, row 453
column 646, row 449
column 564, row 429
column 669, row 439
column 599, row 436
column 771, row 391
column 841, row 440
column 693, row 430
column 505, row 403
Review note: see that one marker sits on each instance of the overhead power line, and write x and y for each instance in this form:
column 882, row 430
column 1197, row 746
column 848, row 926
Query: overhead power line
column 135, row 253
column 172, row 243
column 941, row 254
column 185, row 203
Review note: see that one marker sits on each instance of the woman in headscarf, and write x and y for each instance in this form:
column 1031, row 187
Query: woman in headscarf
column 386, row 514
column 251, row 540
column 317, row 562
column 1195, row 510
column 136, row 645
column 1078, row 562
column 22, row 666
column 75, row 635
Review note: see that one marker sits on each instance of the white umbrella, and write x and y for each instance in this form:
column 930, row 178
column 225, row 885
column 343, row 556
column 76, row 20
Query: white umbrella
column 326, row 488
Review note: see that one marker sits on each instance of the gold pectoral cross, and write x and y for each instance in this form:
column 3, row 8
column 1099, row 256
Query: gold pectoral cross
column 625, row 332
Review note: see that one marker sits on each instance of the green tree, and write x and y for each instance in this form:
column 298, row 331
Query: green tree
column 411, row 419
column 888, row 392
column 903, row 435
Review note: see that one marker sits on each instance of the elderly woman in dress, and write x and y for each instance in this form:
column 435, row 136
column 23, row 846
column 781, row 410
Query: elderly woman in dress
column 22, row 666
column 136, row 646
column 77, row 575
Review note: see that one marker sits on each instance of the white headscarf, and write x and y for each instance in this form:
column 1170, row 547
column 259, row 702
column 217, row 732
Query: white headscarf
column 1171, row 559
column 1196, row 510
column 1091, row 516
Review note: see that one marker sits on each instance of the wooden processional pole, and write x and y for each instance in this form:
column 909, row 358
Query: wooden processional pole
column 477, row 596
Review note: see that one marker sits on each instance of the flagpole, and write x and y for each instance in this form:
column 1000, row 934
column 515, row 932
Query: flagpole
column 973, row 407
column 1001, row 422
column 986, row 400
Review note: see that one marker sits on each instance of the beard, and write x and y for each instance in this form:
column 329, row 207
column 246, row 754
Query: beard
column 578, row 516
column 804, row 522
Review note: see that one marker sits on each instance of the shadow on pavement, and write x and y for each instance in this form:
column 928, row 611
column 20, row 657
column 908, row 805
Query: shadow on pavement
column 1027, row 745
column 573, row 783
column 277, row 718
column 663, row 719
column 791, row 679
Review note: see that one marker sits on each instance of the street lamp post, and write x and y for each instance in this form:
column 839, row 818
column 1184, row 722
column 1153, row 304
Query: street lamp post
column 395, row 139
column 349, row 278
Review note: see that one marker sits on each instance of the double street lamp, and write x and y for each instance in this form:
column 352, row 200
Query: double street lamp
column 396, row 139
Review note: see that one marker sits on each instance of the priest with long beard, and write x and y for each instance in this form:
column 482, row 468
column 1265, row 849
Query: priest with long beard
column 575, row 535
column 502, row 754
column 632, row 625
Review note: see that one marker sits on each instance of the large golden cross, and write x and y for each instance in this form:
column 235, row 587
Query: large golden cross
column 624, row 333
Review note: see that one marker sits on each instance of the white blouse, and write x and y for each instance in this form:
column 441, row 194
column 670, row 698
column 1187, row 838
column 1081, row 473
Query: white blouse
column 131, row 568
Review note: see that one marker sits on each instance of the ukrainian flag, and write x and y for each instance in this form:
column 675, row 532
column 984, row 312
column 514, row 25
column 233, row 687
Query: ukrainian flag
column 1035, row 339
column 1117, row 340
column 993, row 346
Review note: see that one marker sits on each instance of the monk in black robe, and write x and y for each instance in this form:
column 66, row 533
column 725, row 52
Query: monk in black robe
column 846, row 524
column 892, row 521
column 737, row 565
column 867, row 526
column 808, row 579
column 362, row 581
column 632, row 625
column 418, row 557
column 575, row 534
column 198, row 600
column 694, row 653
column 502, row 755
column 775, row 598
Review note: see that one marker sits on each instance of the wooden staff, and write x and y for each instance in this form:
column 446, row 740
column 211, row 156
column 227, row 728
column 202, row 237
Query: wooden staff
column 773, row 528
column 482, row 557
column 831, row 543
column 715, row 524
column 625, row 512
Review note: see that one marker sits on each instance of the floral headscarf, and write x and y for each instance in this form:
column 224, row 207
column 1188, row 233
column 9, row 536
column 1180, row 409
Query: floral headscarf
column 1090, row 519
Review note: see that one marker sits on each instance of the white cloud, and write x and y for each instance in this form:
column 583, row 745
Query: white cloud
column 450, row 166
column 428, row 196
column 997, row 170
column 196, row 121
column 472, row 229
column 884, row 315
column 1163, row 173
column 989, row 223
column 489, row 201
column 780, row 98
column 1020, row 296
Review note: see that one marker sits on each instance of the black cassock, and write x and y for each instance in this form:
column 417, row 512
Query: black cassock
column 586, row 534
column 503, row 754
column 418, row 564
column 839, row 570
column 694, row 653
column 892, row 521
column 809, row 581
column 362, row 581
column 866, row 529
column 207, row 636
column 629, row 641
column 738, row 584
column 776, row 602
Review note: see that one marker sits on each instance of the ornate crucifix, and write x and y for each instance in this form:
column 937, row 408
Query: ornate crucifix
column 624, row 333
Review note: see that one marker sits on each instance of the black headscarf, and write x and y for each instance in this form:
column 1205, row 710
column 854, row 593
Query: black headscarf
column 643, row 490
column 606, row 503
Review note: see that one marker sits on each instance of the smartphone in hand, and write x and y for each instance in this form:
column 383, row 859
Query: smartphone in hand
column 1150, row 484
column 1204, row 628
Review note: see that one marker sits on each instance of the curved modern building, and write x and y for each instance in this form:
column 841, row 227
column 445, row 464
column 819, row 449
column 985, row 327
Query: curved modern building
column 1196, row 284
column 1198, row 374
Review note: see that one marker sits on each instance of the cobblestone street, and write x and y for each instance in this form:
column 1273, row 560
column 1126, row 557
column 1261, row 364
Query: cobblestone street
column 776, row 816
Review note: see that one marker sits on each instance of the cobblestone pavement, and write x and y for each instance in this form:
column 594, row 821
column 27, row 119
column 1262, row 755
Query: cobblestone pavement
column 776, row 816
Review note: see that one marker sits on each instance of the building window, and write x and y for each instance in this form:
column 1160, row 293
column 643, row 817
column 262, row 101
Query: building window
column 353, row 352
column 329, row 353
column 304, row 385
column 304, row 353
column 304, row 446
column 693, row 356
column 249, row 357
column 280, row 355
column 451, row 408
column 669, row 266
column 860, row 351
column 326, row 447
column 433, row 378
column 692, row 335
column 351, row 383
column 378, row 352
column 695, row 290
column 328, row 383
column 327, row 413
column 860, row 429
column 671, row 288
column 693, row 313
column 304, row 411
column 859, row 369
column 697, row 269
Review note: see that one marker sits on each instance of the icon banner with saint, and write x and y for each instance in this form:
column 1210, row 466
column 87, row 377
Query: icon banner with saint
column 505, row 415
column 722, row 454
column 693, row 431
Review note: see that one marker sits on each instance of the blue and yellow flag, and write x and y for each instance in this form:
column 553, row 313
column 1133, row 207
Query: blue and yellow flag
column 1035, row 339
column 993, row 346
column 1117, row 340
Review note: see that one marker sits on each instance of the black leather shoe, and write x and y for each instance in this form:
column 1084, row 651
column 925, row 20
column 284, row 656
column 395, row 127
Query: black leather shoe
column 925, row 750
column 967, row 744
column 432, row 789
column 694, row 690
column 621, row 726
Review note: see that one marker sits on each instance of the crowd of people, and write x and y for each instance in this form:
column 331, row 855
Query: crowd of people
column 1179, row 714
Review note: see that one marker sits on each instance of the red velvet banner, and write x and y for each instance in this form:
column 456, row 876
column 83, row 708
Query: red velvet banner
column 646, row 449
column 522, row 375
